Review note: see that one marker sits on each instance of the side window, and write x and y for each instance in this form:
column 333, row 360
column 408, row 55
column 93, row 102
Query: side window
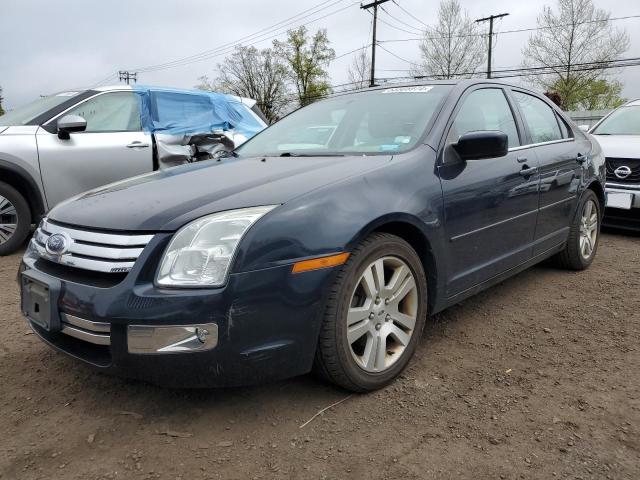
column 564, row 128
column 485, row 109
column 539, row 117
column 110, row 112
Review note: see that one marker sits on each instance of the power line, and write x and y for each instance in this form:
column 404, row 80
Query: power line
column 397, row 28
column 400, row 21
column 502, row 73
column 254, row 39
column 398, row 56
column 409, row 13
column 250, row 36
column 519, row 30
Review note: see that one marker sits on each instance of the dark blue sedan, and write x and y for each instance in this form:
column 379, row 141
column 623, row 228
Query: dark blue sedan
column 321, row 244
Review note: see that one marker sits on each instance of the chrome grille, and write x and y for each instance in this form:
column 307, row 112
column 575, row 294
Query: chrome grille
column 632, row 163
column 90, row 249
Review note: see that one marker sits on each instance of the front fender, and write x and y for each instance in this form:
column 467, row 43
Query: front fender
column 335, row 217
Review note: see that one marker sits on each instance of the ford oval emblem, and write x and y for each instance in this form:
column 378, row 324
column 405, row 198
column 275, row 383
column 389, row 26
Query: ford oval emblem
column 622, row 172
column 57, row 244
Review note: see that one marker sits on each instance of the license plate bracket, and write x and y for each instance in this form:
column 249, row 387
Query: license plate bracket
column 39, row 299
column 621, row 200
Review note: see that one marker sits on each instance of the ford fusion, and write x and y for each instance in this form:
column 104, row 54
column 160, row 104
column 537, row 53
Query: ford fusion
column 321, row 244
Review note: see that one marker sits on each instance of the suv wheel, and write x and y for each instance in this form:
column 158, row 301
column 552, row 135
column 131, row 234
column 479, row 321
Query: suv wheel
column 374, row 316
column 15, row 219
column 584, row 235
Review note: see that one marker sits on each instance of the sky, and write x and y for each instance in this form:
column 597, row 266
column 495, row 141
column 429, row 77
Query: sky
column 70, row 44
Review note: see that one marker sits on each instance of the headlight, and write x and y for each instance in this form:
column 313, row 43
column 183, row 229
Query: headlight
column 200, row 254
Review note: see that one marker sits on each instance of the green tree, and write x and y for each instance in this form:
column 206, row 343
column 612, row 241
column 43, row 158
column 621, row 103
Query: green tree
column 252, row 73
column 598, row 94
column 307, row 58
column 574, row 44
column 1, row 99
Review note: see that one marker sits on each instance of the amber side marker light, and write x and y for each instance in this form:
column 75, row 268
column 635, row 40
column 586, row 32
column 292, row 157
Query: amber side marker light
column 318, row 263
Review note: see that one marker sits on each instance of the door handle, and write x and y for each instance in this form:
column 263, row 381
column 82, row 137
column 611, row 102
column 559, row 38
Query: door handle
column 581, row 158
column 521, row 159
column 527, row 171
column 137, row 145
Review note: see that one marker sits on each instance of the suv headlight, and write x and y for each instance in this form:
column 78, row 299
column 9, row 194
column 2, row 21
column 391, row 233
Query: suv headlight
column 200, row 254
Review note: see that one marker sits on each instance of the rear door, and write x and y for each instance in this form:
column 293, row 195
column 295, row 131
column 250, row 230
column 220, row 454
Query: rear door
column 112, row 148
column 491, row 204
column 559, row 155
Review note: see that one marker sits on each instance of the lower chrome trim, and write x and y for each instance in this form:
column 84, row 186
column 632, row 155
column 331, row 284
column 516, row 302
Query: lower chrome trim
column 618, row 187
column 86, row 324
column 95, row 338
column 98, row 333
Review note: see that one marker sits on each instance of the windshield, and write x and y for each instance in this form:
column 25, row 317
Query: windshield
column 375, row 122
column 23, row 115
column 624, row 121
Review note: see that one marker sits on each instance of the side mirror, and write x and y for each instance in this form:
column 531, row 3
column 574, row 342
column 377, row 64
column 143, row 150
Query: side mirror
column 584, row 128
column 69, row 124
column 482, row 144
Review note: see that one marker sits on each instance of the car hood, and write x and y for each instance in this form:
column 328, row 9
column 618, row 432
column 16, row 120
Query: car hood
column 166, row 200
column 619, row 146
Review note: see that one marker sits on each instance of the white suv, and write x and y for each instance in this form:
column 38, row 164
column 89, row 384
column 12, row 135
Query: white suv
column 619, row 135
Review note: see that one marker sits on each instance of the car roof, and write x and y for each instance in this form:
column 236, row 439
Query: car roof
column 462, row 83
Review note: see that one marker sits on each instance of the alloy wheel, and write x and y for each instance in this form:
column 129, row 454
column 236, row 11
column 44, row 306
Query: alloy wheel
column 382, row 314
column 588, row 229
column 8, row 220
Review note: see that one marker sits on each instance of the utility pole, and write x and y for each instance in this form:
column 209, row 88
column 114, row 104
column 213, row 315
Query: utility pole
column 490, row 19
column 127, row 76
column 373, row 4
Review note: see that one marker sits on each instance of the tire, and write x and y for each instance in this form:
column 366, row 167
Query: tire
column 15, row 219
column 345, row 358
column 582, row 234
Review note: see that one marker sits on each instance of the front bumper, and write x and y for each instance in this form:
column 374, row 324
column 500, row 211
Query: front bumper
column 266, row 323
column 626, row 212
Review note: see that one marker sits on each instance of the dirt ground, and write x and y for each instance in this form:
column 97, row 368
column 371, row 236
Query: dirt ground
column 538, row 377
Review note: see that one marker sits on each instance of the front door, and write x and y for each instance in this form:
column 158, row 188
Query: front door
column 490, row 205
column 112, row 148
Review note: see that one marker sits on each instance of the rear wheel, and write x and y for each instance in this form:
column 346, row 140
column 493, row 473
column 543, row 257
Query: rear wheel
column 15, row 219
column 374, row 316
column 584, row 235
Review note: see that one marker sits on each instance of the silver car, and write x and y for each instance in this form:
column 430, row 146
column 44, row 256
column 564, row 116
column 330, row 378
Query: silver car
column 65, row 144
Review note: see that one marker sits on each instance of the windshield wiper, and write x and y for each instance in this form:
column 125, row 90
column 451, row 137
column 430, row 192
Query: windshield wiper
column 294, row 154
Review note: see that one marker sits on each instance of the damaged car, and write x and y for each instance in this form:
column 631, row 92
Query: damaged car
column 293, row 254
column 64, row 144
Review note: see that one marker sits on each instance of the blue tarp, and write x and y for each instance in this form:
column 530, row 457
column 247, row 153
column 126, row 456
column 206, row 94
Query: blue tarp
column 185, row 112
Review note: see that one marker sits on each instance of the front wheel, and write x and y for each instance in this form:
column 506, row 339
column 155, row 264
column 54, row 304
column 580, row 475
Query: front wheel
column 584, row 234
column 15, row 219
column 374, row 316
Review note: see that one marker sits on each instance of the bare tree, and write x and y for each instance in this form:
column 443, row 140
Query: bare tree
column 307, row 59
column 252, row 73
column 573, row 44
column 358, row 72
column 454, row 47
